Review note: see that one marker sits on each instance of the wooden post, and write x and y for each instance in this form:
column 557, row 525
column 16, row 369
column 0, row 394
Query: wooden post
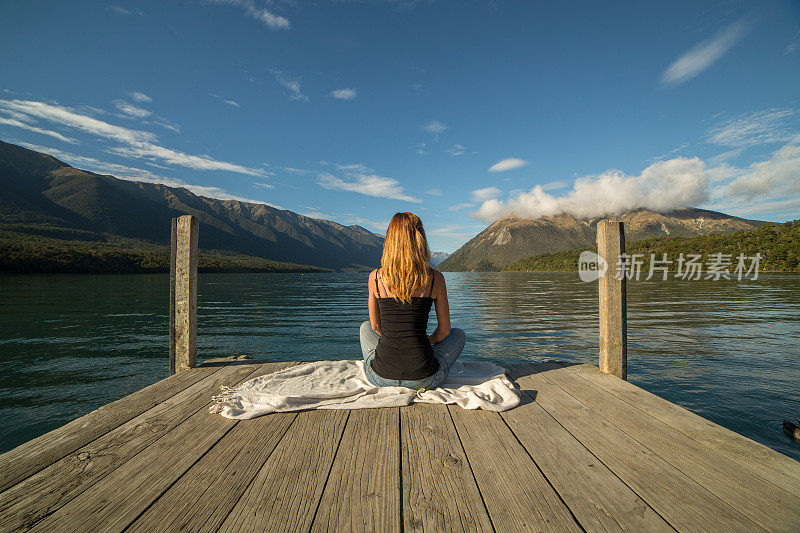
column 613, row 305
column 183, row 294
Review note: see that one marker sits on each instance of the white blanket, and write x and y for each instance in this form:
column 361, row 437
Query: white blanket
column 343, row 385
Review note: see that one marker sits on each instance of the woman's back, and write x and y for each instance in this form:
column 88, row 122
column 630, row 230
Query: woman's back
column 404, row 350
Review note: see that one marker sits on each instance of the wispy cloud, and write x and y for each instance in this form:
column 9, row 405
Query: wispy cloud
column 459, row 207
column 456, row 150
column 344, row 94
column 554, row 185
column 24, row 125
column 355, row 167
column 140, row 97
column 435, row 127
column 132, row 110
column 263, row 15
column 793, row 45
column 762, row 127
column 135, row 144
column 776, row 177
column 434, row 192
column 292, row 85
column 453, row 231
column 137, row 174
column 421, row 149
column 125, row 11
column 481, row 195
column 368, row 184
column 508, row 164
column 232, row 103
column 704, row 54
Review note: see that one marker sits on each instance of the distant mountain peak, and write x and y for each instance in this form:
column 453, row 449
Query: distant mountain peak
column 513, row 238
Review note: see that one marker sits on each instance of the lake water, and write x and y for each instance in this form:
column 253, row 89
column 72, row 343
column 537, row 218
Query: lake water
column 727, row 350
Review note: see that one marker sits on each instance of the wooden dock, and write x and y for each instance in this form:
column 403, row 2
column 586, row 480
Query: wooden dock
column 584, row 451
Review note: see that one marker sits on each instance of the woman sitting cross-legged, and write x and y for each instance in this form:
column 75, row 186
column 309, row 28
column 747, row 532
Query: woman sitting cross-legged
column 397, row 349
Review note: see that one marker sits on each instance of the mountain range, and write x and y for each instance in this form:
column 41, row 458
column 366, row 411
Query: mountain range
column 41, row 196
column 45, row 202
column 512, row 238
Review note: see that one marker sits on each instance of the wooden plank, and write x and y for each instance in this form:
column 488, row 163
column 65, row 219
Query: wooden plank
column 613, row 300
column 39, row 495
column 517, row 495
column 759, row 459
column 363, row 489
column 599, row 500
column 202, row 497
column 765, row 503
column 118, row 498
column 30, row 457
column 286, row 491
column 439, row 490
column 681, row 501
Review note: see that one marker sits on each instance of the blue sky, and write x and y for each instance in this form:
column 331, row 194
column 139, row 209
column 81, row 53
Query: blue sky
column 462, row 112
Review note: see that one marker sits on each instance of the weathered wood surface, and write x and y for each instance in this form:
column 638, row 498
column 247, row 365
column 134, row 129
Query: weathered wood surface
column 183, row 294
column 439, row 489
column 363, row 488
column 584, row 451
column 613, row 311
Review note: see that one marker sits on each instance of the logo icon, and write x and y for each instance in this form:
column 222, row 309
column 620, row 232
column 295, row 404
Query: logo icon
column 591, row 266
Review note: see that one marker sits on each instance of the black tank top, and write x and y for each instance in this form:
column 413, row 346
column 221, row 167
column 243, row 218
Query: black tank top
column 404, row 351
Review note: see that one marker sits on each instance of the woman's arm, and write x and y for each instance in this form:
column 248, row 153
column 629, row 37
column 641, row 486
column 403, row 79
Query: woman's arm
column 442, row 309
column 374, row 312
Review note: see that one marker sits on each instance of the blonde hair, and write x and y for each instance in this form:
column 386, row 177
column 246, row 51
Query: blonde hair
column 406, row 257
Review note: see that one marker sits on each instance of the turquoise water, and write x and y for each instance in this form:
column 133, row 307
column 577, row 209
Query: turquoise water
column 727, row 350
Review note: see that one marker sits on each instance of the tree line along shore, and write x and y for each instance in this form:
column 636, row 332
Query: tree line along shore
column 28, row 253
column 778, row 245
column 22, row 253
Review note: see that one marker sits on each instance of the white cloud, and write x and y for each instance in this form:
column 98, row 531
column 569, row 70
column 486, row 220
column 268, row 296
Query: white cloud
column 263, row 185
column 554, row 185
column 762, row 127
column 704, row 54
column 420, row 149
column 265, row 16
column 292, row 85
column 481, row 195
column 19, row 124
column 368, row 184
column 232, row 103
column 434, row 192
column 123, row 11
column 154, row 152
column 778, row 176
column 355, row 167
column 344, row 94
column 140, row 97
column 662, row 186
column 434, row 126
column 132, row 110
column 508, row 164
column 459, row 207
column 136, row 144
column 456, row 150
column 793, row 45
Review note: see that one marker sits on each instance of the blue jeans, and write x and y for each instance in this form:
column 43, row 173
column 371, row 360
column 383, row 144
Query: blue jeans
column 446, row 352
